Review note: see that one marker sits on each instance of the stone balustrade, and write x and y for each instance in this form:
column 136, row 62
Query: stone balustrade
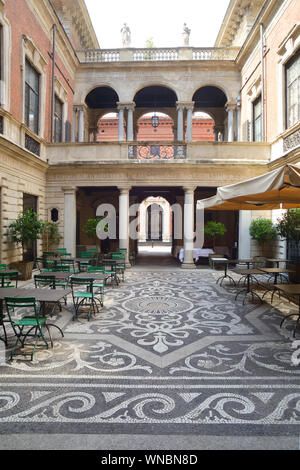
column 164, row 152
column 157, row 54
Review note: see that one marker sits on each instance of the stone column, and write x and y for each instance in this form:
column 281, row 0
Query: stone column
column 74, row 129
column 124, row 220
column 238, row 118
column 130, row 109
column 188, row 262
column 244, row 236
column 230, row 110
column 189, row 124
column 121, row 123
column 70, row 219
column 81, row 124
column 180, row 136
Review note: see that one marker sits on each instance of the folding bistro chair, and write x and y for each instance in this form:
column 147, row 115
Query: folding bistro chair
column 49, row 281
column 98, row 284
column 84, row 297
column 9, row 279
column 34, row 323
column 120, row 263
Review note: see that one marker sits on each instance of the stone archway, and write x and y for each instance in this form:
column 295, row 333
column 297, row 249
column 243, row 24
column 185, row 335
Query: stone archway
column 155, row 220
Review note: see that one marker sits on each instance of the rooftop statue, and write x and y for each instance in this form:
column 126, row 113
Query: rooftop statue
column 186, row 35
column 126, row 35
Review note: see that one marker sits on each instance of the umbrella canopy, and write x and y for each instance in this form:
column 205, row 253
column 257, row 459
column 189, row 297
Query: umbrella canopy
column 277, row 189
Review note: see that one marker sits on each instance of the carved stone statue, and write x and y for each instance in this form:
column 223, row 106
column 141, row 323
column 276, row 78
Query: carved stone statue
column 126, row 35
column 186, row 35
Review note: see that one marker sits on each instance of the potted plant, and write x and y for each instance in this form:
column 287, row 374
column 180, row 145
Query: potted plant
column 50, row 235
column 23, row 231
column 263, row 231
column 289, row 228
column 214, row 229
column 89, row 229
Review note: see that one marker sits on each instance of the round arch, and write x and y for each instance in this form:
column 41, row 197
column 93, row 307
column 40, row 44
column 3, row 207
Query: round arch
column 145, row 131
column 160, row 225
column 209, row 96
column 102, row 97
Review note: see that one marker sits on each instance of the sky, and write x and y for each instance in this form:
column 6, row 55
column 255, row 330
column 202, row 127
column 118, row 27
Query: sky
column 161, row 20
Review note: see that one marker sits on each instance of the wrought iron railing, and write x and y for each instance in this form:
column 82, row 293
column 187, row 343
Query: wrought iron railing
column 156, row 152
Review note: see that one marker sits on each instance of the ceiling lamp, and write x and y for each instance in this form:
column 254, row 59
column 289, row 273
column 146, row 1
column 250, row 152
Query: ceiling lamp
column 155, row 121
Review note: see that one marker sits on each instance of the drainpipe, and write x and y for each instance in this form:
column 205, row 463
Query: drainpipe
column 262, row 81
column 53, row 84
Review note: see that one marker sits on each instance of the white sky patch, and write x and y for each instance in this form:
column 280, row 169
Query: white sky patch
column 160, row 20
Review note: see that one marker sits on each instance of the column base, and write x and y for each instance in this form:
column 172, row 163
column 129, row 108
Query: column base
column 188, row 266
column 128, row 265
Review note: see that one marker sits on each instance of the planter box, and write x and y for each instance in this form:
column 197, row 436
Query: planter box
column 25, row 269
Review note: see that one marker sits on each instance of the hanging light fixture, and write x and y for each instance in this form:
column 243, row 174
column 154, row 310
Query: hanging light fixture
column 155, row 121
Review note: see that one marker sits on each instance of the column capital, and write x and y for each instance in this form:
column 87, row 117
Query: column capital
column 185, row 104
column 124, row 189
column 230, row 106
column 129, row 105
column 69, row 189
column 80, row 107
column 189, row 189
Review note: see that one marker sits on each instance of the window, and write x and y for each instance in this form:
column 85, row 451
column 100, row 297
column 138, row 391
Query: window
column 32, row 97
column 293, row 90
column 257, row 120
column 58, row 120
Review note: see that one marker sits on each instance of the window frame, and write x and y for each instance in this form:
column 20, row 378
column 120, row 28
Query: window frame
column 255, row 102
column 58, row 118
column 294, row 58
column 27, row 101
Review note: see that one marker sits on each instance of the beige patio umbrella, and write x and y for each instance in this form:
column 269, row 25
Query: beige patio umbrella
column 277, row 189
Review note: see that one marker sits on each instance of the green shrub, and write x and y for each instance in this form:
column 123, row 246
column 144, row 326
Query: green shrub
column 262, row 230
column 214, row 229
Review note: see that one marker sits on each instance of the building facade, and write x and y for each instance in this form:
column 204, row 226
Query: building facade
column 57, row 84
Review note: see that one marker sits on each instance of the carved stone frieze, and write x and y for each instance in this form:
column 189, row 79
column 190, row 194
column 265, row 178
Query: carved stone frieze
column 292, row 141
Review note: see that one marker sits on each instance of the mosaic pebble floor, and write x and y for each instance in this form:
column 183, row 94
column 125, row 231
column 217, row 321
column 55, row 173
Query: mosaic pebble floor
column 171, row 353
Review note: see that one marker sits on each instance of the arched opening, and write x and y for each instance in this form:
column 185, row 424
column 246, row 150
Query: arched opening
column 101, row 101
column 107, row 128
column 159, row 102
column 155, row 126
column 203, row 127
column 211, row 100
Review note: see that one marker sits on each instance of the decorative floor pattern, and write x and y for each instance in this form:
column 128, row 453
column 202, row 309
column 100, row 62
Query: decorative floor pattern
column 167, row 348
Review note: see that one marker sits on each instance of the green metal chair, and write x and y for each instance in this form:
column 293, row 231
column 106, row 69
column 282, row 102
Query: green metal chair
column 62, row 267
column 92, row 250
column 3, row 267
column 110, row 268
column 83, row 298
column 85, row 263
column 34, row 323
column 44, row 265
column 44, row 281
column 98, row 284
column 9, row 279
column 120, row 265
column 71, row 264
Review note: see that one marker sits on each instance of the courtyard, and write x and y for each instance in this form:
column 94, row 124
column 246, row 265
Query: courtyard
column 171, row 361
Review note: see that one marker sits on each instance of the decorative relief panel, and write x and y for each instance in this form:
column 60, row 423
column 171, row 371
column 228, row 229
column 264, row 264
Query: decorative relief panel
column 292, row 141
column 156, row 152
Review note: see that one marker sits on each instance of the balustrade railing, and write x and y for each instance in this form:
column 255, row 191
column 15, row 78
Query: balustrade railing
column 157, row 54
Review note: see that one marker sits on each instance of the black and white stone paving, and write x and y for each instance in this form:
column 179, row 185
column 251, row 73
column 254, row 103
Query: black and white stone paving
column 170, row 353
